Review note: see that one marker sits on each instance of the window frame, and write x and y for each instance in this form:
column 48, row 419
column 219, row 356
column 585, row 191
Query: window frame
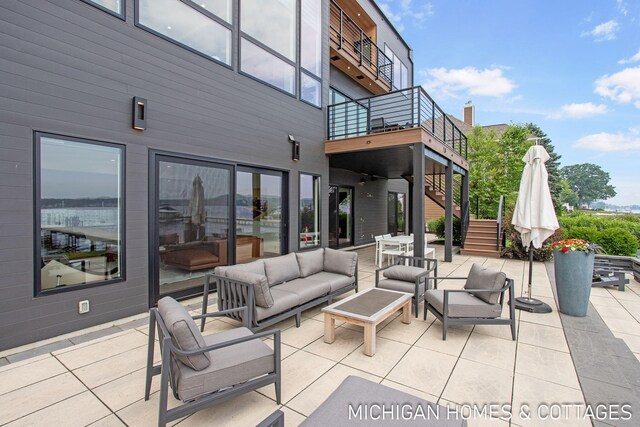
column 121, row 15
column 319, row 178
column 262, row 46
column 37, row 206
column 313, row 77
column 394, row 58
column 210, row 15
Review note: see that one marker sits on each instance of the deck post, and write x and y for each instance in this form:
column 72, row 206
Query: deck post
column 448, row 213
column 464, row 202
column 417, row 194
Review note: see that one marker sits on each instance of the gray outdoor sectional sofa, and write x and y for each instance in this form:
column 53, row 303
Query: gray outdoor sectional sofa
column 277, row 288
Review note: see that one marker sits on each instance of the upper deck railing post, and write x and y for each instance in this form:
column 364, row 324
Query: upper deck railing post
column 433, row 117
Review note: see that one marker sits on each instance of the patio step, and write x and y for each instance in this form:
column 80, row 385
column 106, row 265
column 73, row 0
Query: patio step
column 481, row 252
column 477, row 234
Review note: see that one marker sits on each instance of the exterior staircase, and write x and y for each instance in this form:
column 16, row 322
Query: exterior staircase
column 434, row 189
column 482, row 239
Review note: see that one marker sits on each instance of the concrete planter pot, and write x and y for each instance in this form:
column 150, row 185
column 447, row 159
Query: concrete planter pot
column 574, row 272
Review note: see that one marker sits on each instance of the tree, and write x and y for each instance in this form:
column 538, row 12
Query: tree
column 589, row 182
column 567, row 195
column 495, row 166
column 552, row 165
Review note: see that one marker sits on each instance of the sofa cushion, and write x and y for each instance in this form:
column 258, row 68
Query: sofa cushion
column 260, row 286
column 256, row 267
column 185, row 335
column 485, row 278
column 401, row 286
column 335, row 281
column 281, row 269
column 310, row 262
column 462, row 304
column 403, row 272
column 282, row 301
column 307, row 289
column 341, row 262
column 233, row 365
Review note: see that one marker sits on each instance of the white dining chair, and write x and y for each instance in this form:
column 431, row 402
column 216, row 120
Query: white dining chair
column 378, row 257
column 391, row 249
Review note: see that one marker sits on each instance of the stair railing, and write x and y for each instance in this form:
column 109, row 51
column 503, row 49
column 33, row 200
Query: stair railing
column 499, row 221
column 464, row 223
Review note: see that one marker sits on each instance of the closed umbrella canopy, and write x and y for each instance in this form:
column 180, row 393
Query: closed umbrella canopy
column 196, row 202
column 534, row 216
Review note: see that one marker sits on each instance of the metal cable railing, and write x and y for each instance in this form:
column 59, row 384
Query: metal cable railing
column 397, row 110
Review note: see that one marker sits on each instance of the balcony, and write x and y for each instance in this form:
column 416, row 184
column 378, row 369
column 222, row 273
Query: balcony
column 397, row 118
column 354, row 51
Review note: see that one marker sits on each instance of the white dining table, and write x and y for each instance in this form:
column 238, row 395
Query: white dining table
column 404, row 245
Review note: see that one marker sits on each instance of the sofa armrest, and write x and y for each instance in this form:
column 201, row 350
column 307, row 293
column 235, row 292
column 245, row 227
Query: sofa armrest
column 232, row 294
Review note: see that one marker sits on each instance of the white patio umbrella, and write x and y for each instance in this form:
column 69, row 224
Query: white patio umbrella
column 534, row 216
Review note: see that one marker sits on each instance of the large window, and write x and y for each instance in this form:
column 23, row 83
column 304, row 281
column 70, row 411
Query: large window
column 311, row 89
column 272, row 23
column 396, row 213
column 192, row 26
column 268, row 43
column 309, row 211
column 114, row 7
column 267, row 67
column 79, row 213
column 311, row 36
column 400, row 71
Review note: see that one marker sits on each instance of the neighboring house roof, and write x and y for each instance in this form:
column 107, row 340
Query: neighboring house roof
column 499, row 129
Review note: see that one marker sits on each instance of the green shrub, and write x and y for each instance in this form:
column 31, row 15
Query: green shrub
column 590, row 234
column 436, row 226
column 601, row 223
column 618, row 241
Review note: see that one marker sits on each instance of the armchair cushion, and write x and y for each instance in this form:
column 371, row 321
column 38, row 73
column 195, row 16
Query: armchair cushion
column 233, row 365
column 310, row 262
column 403, row 272
column 462, row 304
column 340, row 262
column 401, row 286
column 281, row 269
column 184, row 333
column 485, row 278
column 259, row 282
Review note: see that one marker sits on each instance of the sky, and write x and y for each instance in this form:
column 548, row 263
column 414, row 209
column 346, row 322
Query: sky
column 572, row 67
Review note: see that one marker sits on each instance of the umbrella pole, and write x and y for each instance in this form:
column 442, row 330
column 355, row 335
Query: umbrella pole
column 528, row 303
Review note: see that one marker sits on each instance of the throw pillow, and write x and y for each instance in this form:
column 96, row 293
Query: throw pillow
column 485, row 278
column 310, row 262
column 281, row 269
column 259, row 282
column 341, row 262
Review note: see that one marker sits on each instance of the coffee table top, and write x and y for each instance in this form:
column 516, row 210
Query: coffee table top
column 369, row 305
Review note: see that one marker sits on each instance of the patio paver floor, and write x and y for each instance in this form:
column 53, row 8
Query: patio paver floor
column 100, row 380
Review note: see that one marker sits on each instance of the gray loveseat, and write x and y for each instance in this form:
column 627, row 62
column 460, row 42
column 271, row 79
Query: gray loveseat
column 275, row 289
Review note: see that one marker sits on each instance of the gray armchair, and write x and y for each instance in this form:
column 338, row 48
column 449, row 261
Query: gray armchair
column 411, row 278
column 203, row 371
column 480, row 301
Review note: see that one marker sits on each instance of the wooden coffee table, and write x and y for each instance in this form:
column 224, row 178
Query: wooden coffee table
column 368, row 309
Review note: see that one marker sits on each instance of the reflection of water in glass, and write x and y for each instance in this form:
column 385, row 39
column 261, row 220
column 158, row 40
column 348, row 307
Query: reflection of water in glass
column 100, row 219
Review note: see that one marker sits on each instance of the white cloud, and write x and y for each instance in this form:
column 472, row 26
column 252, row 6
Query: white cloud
column 605, row 141
column 605, row 31
column 579, row 111
column 467, row 81
column 634, row 58
column 623, row 86
column 622, row 7
column 405, row 10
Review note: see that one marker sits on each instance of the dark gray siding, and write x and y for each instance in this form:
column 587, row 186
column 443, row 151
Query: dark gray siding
column 347, row 85
column 67, row 67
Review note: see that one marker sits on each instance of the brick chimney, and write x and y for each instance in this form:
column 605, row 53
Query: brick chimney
column 469, row 116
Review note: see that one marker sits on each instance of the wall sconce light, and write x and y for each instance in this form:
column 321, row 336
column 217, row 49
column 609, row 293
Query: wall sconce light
column 139, row 113
column 295, row 154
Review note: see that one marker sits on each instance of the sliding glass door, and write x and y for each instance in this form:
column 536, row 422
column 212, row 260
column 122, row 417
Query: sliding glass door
column 259, row 214
column 192, row 217
column 396, row 213
column 340, row 216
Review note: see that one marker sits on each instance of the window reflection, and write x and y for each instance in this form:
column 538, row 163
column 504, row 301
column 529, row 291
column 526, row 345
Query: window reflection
column 80, row 212
column 309, row 211
column 220, row 8
column 112, row 5
column 193, row 223
column 258, row 215
column 310, row 89
column 311, row 36
column 182, row 23
column 272, row 22
column 267, row 67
